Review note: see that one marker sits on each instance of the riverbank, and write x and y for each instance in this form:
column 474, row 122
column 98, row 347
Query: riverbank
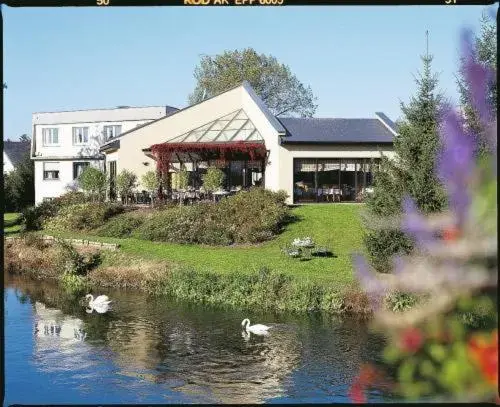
column 258, row 289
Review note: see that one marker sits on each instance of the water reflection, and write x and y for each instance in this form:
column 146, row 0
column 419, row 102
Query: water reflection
column 198, row 352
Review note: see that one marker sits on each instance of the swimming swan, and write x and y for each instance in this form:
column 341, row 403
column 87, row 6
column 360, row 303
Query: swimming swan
column 256, row 329
column 100, row 301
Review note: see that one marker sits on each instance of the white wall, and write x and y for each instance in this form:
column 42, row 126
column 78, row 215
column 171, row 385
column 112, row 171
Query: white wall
column 288, row 152
column 7, row 164
column 53, row 188
column 66, row 152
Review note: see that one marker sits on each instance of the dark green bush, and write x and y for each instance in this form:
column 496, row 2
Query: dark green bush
column 34, row 216
column 255, row 215
column 247, row 217
column 185, row 224
column 83, row 216
column 122, row 225
column 71, row 198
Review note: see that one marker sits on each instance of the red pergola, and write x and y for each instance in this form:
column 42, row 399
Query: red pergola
column 166, row 153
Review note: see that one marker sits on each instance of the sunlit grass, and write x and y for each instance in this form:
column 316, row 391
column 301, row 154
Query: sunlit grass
column 11, row 223
column 338, row 227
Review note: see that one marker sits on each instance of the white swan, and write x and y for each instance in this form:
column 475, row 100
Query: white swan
column 258, row 329
column 101, row 300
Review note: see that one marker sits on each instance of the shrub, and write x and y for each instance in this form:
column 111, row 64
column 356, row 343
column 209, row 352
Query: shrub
column 83, row 216
column 247, row 217
column 255, row 215
column 71, row 198
column 180, row 180
column 213, row 179
column 34, row 217
column 126, row 182
column 186, row 224
column 93, row 182
column 121, row 225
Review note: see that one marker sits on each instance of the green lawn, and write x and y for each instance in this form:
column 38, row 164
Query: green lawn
column 337, row 227
column 10, row 224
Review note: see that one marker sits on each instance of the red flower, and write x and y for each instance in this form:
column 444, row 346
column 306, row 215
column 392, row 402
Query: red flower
column 356, row 393
column 411, row 340
column 451, row 234
column 484, row 351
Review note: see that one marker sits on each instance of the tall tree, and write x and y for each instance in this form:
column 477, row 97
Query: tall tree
column 19, row 185
column 486, row 54
column 278, row 87
column 410, row 173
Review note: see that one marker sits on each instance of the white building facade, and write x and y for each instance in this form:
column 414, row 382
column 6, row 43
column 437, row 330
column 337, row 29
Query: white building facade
column 313, row 160
column 64, row 143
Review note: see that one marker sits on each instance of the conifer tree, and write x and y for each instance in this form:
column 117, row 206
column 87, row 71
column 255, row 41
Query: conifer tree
column 486, row 48
column 410, row 173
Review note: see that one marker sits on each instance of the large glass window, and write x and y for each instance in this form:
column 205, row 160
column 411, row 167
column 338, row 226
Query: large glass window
column 332, row 180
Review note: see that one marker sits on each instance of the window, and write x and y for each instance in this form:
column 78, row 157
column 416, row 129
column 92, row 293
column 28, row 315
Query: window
column 50, row 136
column 112, row 131
column 50, row 171
column 78, row 168
column 80, row 135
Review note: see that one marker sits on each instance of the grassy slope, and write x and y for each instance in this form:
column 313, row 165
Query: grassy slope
column 10, row 219
column 337, row 227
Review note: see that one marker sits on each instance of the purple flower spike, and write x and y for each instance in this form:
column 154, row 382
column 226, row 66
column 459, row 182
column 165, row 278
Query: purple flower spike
column 456, row 164
column 479, row 77
column 370, row 283
column 415, row 225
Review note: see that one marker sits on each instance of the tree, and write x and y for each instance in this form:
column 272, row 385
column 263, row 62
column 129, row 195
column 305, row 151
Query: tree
column 411, row 173
column 126, row 181
column 150, row 182
column 93, row 182
column 19, row 185
column 486, row 53
column 282, row 92
column 213, row 179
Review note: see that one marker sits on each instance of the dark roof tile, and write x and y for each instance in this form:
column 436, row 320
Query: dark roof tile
column 16, row 150
column 316, row 130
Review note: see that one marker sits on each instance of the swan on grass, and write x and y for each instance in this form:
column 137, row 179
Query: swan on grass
column 257, row 329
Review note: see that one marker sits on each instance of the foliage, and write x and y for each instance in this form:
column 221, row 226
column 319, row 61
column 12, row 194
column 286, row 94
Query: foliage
column 410, row 173
column 126, row 181
column 83, row 216
column 213, row 179
column 70, row 198
column 93, row 182
column 446, row 347
column 34, row 217
column 121, row 225
column 277, row 86
column 19, row 185
column 486, row 47
column 150, row 181
column 180, row 180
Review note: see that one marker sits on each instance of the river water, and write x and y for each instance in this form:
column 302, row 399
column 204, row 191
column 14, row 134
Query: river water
column 154, row 350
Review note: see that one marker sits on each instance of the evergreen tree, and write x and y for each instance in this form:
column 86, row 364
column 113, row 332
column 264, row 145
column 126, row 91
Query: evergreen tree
column 410, row 173
column 486, row 48
column 19, row 185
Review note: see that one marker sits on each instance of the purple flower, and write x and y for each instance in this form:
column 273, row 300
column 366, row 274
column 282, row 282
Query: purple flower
column 479, row 77
column 414, row 224
column 456, row 164
column 373, row 287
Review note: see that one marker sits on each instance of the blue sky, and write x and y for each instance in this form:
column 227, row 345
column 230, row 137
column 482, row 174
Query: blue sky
column 357, row 60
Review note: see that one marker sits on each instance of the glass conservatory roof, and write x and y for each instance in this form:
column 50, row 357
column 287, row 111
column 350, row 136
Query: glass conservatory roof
column 235, row 126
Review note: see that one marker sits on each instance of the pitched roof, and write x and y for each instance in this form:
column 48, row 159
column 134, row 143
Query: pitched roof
column 319, row 130
column 16, row 150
